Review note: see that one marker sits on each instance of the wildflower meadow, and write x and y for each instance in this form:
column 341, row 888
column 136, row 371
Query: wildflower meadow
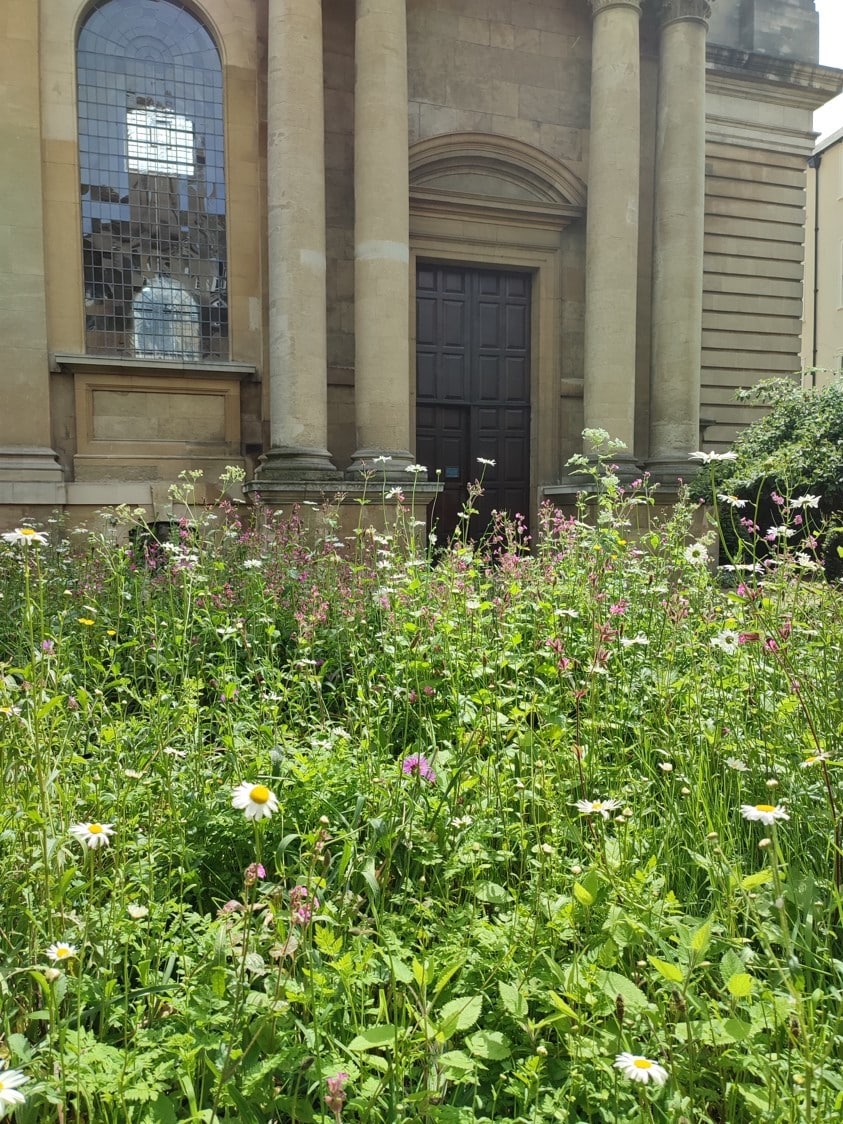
column 305, row 827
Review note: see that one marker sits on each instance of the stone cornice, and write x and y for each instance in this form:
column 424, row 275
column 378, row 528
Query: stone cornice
column 675, row 11
column 783, row 80
column 598, row 6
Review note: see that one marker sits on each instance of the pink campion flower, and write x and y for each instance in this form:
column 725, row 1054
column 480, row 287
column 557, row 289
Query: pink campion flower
column 777, row 499
column 335, row 1096
column 619, row 608
column 253, row 872
column 771, row 645
column 748, row 637
column 302, row 905
column 417, row 765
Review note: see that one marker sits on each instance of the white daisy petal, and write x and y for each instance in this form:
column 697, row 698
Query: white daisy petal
column 637, row 1068
column 767, row 814
column 93, row 835
column 255, row 801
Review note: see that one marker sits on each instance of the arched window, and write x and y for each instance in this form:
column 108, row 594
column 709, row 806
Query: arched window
column 152, row 183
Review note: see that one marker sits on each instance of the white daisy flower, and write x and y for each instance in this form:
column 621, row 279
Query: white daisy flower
column 25, row 535
column 636, row 1068
column 254, row 800
column 696, row 554
column 736, row 764
column 10, row 1094
column 815, row 759
column 727, row 641
column 93, row 835
column 764, row 813
column 417, row 469
column 732, row 501
column 807, row 500
column 485, row 461
column 602, row 808
column 61, row 951
column 252, row 563
column 707, row 458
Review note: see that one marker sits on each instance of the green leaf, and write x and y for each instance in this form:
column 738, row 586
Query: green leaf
column 459, row 1014
column 740, row 985
column 513, row 1001
column 738, row 1029
column 614, row 984
column 491, row 893
column 760, row 878
column 375, row 1038
column 701, row 938
column 582, row 895
column 671, row 972
column 491, row 1044
column 456, row 1064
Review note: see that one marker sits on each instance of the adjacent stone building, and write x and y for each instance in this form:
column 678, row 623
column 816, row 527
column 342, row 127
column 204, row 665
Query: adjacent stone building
column 305, row 236
column 822, row 334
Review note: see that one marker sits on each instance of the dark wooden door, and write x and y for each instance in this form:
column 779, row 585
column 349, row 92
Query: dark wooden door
column 473, row 389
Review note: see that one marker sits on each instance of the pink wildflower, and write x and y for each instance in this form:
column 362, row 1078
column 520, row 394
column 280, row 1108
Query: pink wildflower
column 335, row 1096
column 417, row 765
column 253, row 872
column 302, row 905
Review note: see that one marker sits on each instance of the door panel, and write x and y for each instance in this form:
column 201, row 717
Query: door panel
column 473, row 389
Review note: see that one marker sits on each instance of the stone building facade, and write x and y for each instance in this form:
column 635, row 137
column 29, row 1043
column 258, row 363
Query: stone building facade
column 822, row 331
column 305, row 236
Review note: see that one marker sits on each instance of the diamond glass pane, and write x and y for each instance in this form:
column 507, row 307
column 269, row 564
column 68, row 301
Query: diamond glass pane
column 151, row 163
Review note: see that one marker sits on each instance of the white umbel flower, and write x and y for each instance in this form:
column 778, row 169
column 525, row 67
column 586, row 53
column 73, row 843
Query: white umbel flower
column 254, row 800
column 764, row 813
column 93, row 835
column 10, row 1094
column 60, row 951
column 602, row 808
column 637, row 1068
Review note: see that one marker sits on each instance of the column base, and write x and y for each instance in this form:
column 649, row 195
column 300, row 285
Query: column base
column 388, row 464
column 30, row 474
column 670, row 468
column 285, row 463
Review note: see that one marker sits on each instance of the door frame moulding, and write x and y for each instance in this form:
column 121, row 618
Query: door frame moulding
column 498, row 233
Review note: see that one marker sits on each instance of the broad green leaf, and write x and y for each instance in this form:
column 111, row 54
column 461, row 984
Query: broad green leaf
column 738, row 1029
column 614, row 984
column 489, row 1044
column 456, row 1064
column 701, row 938
column 740, row 985
column 492, row 894
column 375, row 1038
column 459, row 1014
column 671, row 972
column 760, row 878
column 514, row 1002
column 582, row 895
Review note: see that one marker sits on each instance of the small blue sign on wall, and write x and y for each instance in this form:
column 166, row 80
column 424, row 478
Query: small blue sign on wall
column 452, row 472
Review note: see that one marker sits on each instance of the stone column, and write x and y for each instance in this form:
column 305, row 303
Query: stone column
column 381, row 237
column 298, row 388
column 29, row 470
column 678, row 238
column 612, row 221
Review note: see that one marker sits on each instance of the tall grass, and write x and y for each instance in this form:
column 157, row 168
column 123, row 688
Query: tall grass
column 508, row 847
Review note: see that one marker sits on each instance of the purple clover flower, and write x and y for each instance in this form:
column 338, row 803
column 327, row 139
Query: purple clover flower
column 417, row 765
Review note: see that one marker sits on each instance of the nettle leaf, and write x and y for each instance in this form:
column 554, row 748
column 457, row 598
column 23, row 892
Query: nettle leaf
column 614, row 984
column 490, row 1044
column 456, row 1064
column 740, row 984
column 375, row 1038
column 513, row 1001
column 701, row 938
column 671, row 972
column 459, row 1014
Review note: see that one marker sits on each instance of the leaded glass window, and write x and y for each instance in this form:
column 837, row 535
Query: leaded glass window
column 152, row 183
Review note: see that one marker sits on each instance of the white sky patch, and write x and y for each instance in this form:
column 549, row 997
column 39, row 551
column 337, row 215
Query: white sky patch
column 830, row 118
column 160, row 143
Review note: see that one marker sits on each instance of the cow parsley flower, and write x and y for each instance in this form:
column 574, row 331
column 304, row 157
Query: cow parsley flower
column 254, row 800
column 637, row 1068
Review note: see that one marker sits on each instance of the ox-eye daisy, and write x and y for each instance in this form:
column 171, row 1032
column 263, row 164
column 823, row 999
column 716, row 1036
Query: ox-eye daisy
column 61, row 951
column 637, row 1068
column 764, row 813
column 93, row 835
column 10, row 1083
column 25, row 535
column 602, row 808
column 254, row 800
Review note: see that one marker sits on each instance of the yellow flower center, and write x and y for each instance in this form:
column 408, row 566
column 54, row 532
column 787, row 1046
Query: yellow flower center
column 597, row 805
column 85, row 620
column 95, row 829
column 765, row 808
column 28, row 531
column 642, row 1063
column 259, row 794
column 62, row 952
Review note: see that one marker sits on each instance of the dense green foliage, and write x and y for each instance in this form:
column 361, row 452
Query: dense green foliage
column 428, row 911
